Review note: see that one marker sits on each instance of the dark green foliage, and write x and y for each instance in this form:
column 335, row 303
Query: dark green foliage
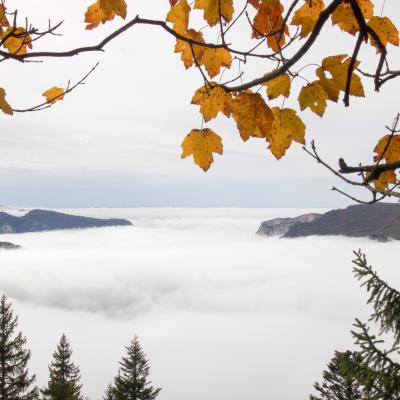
column 132, row 383
column 385, row 300
column 375, row 369
column 64, row 381
column 110, row 393
column 337, row 384
column 15, row 381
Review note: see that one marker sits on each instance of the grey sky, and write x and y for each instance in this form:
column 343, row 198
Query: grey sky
column 116, row 140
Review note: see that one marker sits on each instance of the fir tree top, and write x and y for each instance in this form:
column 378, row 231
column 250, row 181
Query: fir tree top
column 132, row 382
column 15, row 380
column 64, row 380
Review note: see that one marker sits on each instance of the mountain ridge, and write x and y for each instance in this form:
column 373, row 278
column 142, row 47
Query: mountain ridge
column 380, row 221
column 45, row 220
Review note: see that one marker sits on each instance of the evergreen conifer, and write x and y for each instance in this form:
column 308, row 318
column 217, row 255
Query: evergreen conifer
column 64, row 380
column 15, row 381
column 376, row 370
column 132, row 382
column 337, row 384
column 110, row 393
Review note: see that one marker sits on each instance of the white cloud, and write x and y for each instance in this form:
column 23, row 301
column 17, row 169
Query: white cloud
column 211, row 301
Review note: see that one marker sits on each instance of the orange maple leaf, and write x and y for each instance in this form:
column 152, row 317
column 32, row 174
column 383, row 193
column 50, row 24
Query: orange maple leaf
column 344, row 17
column 187, row 51
column 54, row 94
column 313, row 96
column 212, row 99
column 103, row 11
column 214, row 59
column 388, row 149
column 252, row 115
column 202, row 143
column 179, row 16
column 269, row 22
column 307, row 15
column 4, row 106
column 279, row 86
column 286, row 128
column 211, row 10
column 385, row 30
column 18, row 42
column 385, row 179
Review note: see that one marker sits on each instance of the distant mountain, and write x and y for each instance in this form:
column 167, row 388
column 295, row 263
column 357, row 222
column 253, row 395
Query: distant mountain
column 42, row 220
column 380, row 221
column 8, row 246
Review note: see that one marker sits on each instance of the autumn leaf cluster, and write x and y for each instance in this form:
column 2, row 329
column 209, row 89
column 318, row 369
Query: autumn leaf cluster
column 252, row 110
column 258, row 107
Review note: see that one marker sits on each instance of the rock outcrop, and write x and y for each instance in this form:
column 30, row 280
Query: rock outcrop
column 43, row 220
column 380, row 221
column 8, row 246
column 279, row 226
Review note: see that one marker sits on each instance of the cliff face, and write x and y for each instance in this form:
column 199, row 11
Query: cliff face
column 379, row 221
column 42, row 220
column 280, row 226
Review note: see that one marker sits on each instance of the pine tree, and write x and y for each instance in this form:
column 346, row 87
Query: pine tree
column 15, row 381
column 337, row 384
column 375, row 369
column 132, row 383
column 110, row 393
column 64, row 381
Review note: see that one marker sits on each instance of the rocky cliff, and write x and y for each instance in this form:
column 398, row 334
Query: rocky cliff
column 43, row 220
column 379, row 221
column 279, row 226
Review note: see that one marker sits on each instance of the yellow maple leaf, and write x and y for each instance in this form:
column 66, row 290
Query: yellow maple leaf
column 202, row 143
column 388, row 148
column 385, row 179
column 344, row 17
column 186, row 50
column 4, row 106
column 103, row 11
column 179, row 16
column 54, row 94
column 337, row 66
column 118, row 7
column 279, row 86
column 307, row 15
column 252, row 115
column 3, row 17
column 19, row 42
column 385, row 30
column 286, row 128
column 313, row 96
column 214, row 59
column 96, row 15
column 211, row 10
column 212, row 99
column 269, row 22
column 329, row 85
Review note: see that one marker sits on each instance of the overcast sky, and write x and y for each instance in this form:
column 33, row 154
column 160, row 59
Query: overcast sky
column 116, row 140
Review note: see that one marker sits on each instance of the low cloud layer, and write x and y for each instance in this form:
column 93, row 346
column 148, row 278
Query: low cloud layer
column 193, row 284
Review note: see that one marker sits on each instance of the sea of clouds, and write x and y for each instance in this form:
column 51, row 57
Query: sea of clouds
column 221, row 313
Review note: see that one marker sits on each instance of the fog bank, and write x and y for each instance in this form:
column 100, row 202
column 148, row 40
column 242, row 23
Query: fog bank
column 221, row 313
